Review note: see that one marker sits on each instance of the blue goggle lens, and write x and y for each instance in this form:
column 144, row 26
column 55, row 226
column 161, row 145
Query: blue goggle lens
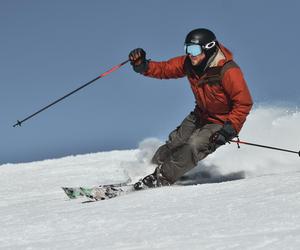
column 193, row 49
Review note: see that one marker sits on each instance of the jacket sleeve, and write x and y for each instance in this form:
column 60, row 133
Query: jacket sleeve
column 236, row 88
column 173, row 68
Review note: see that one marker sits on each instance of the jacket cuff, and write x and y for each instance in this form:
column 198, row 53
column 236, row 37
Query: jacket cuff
column 141, row 68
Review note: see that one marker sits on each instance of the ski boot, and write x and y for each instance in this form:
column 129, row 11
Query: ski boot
column 152, row 180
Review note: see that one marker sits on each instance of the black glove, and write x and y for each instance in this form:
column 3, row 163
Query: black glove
column 138, row 60
column 224, row 135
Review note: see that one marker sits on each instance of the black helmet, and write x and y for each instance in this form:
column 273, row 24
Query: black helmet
column 200, row 36
column 209, row 45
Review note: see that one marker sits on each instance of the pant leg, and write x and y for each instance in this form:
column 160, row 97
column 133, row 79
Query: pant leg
column 177, row 137
column 187, row 156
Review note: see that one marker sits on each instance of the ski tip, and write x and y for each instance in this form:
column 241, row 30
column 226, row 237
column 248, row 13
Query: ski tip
column 65, row 189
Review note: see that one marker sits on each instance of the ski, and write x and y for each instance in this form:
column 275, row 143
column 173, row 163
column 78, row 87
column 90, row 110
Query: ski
column 102, row 192
column 107, row 192
column 73, row 192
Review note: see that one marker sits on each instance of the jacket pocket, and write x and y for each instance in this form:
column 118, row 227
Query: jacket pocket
column 217, row 102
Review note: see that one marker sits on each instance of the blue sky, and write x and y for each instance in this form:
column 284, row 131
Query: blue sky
column 49, row 48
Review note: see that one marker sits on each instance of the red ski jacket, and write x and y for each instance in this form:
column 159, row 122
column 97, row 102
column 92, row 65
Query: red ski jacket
column 230, row 100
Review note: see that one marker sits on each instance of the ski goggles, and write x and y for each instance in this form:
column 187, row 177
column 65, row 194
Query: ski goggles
column 196, row 49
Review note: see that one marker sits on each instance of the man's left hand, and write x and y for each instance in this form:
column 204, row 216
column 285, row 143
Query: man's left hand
column 224, row 135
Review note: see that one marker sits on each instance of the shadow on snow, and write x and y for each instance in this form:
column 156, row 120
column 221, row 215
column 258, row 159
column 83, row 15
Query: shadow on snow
column 211, row 174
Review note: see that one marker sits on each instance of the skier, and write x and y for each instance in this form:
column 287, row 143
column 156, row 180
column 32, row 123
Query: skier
column 223, row 102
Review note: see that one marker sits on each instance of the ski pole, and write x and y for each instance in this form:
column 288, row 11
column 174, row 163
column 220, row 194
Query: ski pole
column 264, row 146
column 19, row 123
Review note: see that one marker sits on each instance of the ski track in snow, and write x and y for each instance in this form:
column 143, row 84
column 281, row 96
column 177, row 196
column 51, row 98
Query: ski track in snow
column 248, row 198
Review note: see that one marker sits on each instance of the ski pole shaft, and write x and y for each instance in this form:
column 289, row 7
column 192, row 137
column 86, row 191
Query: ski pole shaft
column 19, row 123
column 264, row 146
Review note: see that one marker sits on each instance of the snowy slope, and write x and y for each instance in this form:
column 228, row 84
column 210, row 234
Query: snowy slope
column 258, row 207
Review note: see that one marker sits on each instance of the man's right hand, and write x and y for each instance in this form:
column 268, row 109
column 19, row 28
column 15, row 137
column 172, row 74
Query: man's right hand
column 138, row 60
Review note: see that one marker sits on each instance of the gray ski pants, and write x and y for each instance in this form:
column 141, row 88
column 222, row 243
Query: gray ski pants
column 187, row 145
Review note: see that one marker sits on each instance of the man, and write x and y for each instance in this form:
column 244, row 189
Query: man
column 222, row 98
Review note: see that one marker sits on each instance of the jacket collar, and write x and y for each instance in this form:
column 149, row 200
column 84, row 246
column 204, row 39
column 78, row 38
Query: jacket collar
column 224, row 55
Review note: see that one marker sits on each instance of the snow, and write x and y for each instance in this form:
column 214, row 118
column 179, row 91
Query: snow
column 245, row 199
